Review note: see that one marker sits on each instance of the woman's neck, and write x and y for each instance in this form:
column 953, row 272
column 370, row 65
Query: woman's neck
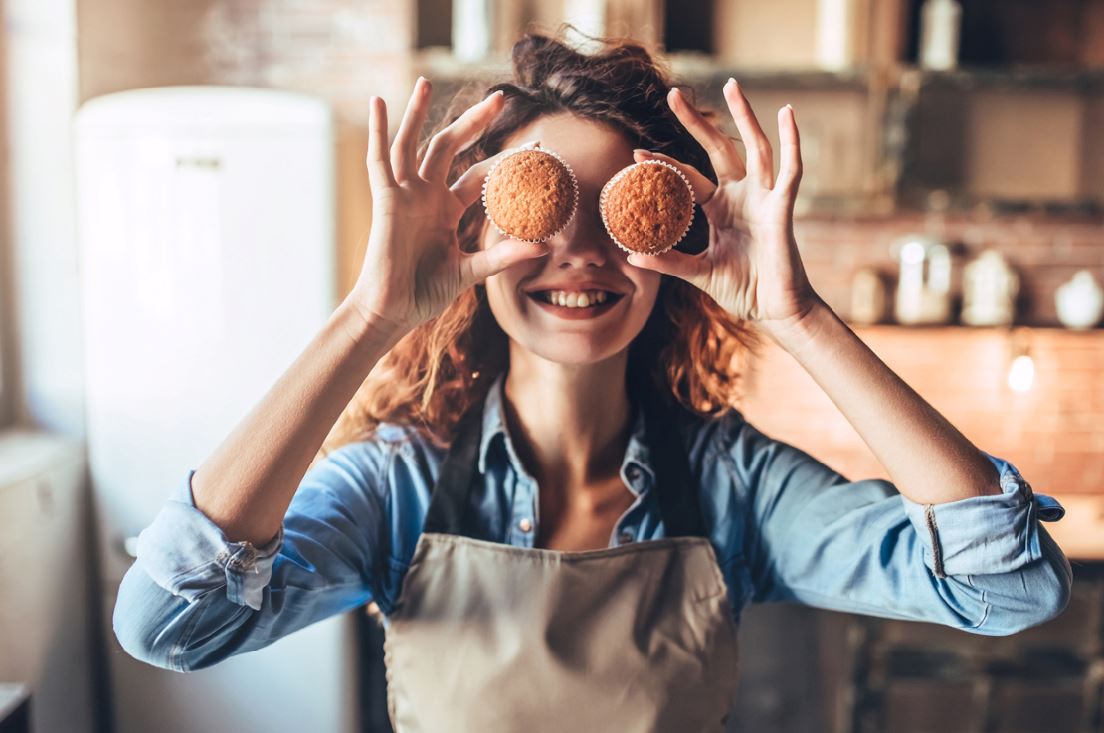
column 570, row 424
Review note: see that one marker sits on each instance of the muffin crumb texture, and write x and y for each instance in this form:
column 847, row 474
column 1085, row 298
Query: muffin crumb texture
column 530, row 195
column 648, row 210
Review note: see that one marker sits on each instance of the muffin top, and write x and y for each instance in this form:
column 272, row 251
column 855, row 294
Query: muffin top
column 530, row 195
column 647, row 207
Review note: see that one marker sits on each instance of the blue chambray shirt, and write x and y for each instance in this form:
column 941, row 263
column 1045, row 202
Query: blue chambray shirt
column 785, row 527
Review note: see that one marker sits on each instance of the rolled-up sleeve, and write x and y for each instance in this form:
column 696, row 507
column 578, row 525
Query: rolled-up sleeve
column 983, row 535
column 194, row 596
column 983, row 564
column 187, row 554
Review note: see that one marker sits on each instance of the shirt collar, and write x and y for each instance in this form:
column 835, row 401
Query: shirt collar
column 637, row 453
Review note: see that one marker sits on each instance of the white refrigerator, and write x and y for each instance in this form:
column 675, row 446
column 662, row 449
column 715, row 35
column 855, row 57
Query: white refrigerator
column 206, row 225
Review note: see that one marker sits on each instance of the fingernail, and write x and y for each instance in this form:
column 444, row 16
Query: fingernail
column 530, row 144
column 730, row 81
column 642, row 152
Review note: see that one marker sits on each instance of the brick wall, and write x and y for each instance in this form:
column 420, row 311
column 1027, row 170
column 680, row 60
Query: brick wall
column 1054, row 432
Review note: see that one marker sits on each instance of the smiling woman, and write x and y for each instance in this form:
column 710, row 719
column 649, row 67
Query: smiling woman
column 548, row 457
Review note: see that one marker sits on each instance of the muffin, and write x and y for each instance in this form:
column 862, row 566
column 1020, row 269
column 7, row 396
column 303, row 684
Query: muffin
column 647, row 207
column 530, row 194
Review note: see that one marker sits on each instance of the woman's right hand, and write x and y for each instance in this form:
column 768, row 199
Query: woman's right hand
column 413, row 267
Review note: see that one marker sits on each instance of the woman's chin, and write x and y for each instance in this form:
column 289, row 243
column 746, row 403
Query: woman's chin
column 574, row 350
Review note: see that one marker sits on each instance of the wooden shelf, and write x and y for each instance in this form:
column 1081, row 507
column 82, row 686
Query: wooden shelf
column 1012, row 78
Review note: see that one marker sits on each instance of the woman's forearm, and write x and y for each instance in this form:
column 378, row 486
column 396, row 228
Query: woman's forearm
column 928, row 459
column 246, row 485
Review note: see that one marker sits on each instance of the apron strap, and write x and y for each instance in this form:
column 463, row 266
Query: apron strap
column 452, row 492
column 676, row 490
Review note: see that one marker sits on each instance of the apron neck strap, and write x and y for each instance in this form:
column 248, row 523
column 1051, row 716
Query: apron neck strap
column 677, row 491
column 664, row 426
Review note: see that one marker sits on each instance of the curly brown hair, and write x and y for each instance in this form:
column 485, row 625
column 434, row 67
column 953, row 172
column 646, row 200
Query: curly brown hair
column 689, row 346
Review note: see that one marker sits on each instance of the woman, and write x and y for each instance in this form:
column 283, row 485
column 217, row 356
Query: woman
column 608, row 599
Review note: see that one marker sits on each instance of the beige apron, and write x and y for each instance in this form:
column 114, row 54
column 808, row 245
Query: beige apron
column 488, row 637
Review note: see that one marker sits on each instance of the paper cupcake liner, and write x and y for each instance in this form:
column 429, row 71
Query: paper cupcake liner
column 621, row 174
column 574, row 190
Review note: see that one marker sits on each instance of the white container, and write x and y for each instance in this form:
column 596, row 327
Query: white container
column 835, row 34
column 940, row 26
column 989, row 288
column 1080, row 301
column 206, row 227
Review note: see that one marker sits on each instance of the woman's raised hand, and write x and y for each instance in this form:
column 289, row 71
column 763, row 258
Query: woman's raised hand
column 413, row 267
column 751, row 266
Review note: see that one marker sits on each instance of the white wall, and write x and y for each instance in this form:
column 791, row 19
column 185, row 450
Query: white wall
column 42, row 295
column 41, row 70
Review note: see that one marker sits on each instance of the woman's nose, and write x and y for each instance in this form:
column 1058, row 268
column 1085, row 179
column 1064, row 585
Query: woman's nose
column 584, row 241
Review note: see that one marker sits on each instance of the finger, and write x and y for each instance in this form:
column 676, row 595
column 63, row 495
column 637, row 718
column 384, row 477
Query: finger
column 759, row 160
column 465, row 129
column 469, row 186
column 789, row 174
column 404, row 151
column 476, row 267
column 703, row 187
column 720, row 148
column 380, row 175
column 692, row 268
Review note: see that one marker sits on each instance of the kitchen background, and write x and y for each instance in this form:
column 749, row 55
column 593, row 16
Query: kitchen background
column 952, row 210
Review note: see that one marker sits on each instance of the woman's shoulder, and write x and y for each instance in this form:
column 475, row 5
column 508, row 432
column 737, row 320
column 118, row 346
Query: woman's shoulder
column 389, row 442
column 708, row 434
column 387, row 457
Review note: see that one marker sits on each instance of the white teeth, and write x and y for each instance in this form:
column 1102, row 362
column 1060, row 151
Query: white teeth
column 576, row 299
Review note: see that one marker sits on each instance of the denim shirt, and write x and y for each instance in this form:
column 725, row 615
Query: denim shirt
column 784, row 527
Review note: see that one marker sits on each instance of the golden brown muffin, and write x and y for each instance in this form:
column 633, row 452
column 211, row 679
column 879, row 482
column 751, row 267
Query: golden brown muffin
column 530, row 194
column 647, row 207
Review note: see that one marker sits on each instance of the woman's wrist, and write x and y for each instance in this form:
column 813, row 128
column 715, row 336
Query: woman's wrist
column 798, row 333
column 368, row 330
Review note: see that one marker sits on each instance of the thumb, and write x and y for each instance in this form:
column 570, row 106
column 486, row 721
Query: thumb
column 475, row 267
column 679, row 264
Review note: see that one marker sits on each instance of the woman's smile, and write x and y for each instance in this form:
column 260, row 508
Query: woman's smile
column 575, row 305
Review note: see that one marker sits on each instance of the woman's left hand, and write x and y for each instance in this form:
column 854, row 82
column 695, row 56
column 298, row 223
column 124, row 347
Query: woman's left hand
column 751, row 267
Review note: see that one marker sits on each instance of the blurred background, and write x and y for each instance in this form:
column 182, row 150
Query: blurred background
column 183, row 203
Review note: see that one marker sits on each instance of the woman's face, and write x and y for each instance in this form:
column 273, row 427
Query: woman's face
column 581, row 257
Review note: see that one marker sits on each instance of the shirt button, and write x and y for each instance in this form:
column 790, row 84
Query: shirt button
column 625, row 537
column 633, row 473
column 525, row 524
